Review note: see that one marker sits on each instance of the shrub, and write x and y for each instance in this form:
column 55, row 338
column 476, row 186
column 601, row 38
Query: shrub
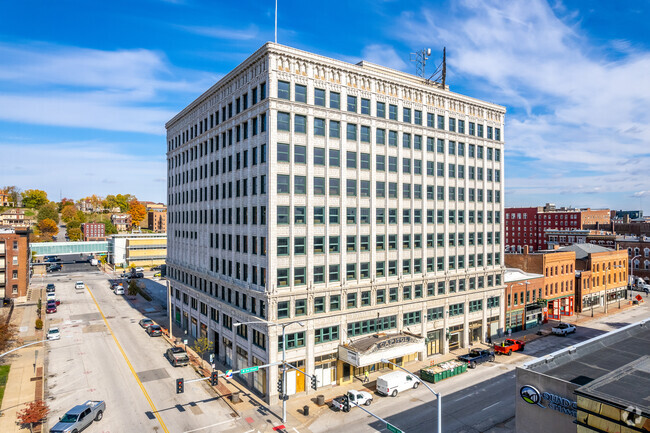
column 39, row 324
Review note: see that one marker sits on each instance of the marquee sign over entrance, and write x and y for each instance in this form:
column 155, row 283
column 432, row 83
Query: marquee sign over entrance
column 370, row 350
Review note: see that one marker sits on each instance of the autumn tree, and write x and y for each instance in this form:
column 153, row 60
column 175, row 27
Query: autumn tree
column 33, row 414
column 48, row 210
column 34, row 198
column 137, row 211
column 13, row 192
column 8, row 334
column 65, row 202
column 48, row 227
column 74, row 234
column 68, row 213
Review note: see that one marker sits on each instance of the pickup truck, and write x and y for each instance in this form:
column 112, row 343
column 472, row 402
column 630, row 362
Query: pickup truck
column 508, row 346
column 563, row 329
column 358, row 397
column 80, row 417
column 477, row 356
column 641, row 287
column 177, row 356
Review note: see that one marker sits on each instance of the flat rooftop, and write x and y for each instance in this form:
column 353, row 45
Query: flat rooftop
column 622, row 386
column 592, row 359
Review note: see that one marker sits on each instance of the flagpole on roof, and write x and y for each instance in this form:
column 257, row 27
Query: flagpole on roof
column 276, row 21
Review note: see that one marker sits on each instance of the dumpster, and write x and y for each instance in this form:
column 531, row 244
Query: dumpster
column 444, row 370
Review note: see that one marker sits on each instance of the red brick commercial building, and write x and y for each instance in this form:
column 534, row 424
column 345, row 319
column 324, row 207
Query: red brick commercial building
column 523, row 293
column 558, row 268
column 157, row 220
column 601, row 274
column 526, row 226
column 93, row 231
column 14, row 262
column 638, row 254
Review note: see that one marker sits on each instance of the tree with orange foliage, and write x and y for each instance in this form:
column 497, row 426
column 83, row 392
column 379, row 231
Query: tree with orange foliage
column 68, row 213
column 137, row 211
column 33, row 413
column 48, row 227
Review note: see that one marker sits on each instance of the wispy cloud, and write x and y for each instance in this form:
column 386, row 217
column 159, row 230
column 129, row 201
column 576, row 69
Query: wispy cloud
column 251, row 32
column 571, row 110
column 124, row 90
column 384, row 55
column 81, row 168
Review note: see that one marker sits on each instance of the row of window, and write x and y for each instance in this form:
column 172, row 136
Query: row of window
column 361, row 271
column 382, row 110
column 239, row 105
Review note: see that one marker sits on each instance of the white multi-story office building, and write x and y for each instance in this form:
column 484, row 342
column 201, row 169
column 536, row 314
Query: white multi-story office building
column 363, row 202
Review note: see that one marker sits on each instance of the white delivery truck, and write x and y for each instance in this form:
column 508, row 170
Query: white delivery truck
column 395, row 382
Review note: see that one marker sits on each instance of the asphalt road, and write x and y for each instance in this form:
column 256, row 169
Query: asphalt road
column 92, row 362
column 481, row 400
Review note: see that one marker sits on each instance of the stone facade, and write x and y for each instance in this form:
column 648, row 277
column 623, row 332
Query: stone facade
column 352, row 198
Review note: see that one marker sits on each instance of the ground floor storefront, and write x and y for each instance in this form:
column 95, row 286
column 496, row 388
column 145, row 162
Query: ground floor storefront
column 560, row 307
column 596, row 300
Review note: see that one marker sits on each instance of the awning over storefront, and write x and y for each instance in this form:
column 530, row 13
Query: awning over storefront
column 371, row 350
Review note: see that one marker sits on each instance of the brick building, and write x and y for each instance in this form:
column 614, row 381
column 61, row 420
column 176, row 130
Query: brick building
column 524, row 310
column 121, row 221
column 566, row 237
column 5, row 199
column 14, row 262
column 526, row 226
column 638, row 254
column 600, row 273
column 93, row 231
column 558, row 267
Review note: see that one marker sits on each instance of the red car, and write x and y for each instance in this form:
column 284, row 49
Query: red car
column 51, row 307
column 508, row 346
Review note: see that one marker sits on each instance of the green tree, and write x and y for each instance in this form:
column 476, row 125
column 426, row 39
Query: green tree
column 34, row 198
column 81, row 217
column 109, row 228
column 202, row 346
column 48, row 210
column 73, row 224
column 133, row 288
column 75, row 234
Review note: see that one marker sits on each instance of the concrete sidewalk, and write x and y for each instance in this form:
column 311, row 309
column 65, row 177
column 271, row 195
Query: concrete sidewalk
column 25, row 381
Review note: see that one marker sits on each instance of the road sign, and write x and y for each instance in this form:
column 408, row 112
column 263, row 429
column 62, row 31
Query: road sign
column 248, row 370
column 229, row 374
column 391, row 428
column 639, row 298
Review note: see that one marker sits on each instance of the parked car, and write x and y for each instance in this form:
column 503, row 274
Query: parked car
column 79, row 285
column 154, row 331
column 358, row 397
column 53, row 334
column 139, row 270
column 50, row 307
column 50, row 296
column 508, row 346
column 563, row 329
column 395, row 382
column 119, row 290
column 50, row 288
column 80, row 417
column 155, row 268
column 157, row 274
column 54, row 268
column 477, row 356
column 177, row 356
column 146, row 322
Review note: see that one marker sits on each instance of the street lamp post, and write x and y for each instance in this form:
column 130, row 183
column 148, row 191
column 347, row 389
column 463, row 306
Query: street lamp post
column 437, row 394
column 284, row 358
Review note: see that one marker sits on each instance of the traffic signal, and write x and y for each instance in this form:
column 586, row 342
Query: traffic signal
column 214, row 378
column 313, row 382
column 180, row 386
column 346, row 403
column 280, row 387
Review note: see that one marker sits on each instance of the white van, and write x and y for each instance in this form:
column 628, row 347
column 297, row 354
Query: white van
column 395, row 382
column 119, row 290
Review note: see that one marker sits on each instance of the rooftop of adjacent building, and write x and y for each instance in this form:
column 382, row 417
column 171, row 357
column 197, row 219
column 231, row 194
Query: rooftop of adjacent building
column 622, row 386
column 551, row 208
column 589, row 360
column 513, row 275
column 583, row 250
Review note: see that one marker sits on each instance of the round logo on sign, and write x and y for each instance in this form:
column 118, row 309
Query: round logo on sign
column 530, row 394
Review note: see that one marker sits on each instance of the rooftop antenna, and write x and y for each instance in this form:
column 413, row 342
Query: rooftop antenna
column 420, row 58
column 440, row 74
column 276, row 21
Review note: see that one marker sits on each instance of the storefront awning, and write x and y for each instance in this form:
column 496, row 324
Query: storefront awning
column 371, row 350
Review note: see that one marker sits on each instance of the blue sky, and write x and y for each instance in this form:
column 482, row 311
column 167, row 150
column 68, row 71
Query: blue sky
column 86, row 87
